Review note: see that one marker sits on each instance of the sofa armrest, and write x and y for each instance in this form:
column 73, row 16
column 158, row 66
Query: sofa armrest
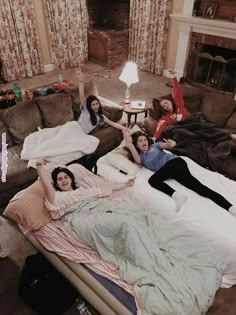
column 112, row 110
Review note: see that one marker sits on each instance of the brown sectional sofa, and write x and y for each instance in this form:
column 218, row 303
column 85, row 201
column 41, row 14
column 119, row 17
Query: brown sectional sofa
column 45, row 112
column 218, row 108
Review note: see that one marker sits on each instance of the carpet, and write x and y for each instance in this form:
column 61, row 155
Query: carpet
column 104, row 73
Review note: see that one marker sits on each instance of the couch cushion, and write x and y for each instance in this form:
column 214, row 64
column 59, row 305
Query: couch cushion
column 21, row 120
column 231, row 123
column 17, row 172
column 218, row 107
column 73, row 91
column 4, row 133
column 56, row 109
column 109, row 137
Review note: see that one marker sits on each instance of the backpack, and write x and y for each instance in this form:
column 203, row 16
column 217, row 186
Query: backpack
column 43, row 288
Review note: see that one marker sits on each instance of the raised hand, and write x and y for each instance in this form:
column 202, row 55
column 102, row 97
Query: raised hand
column 42, row 161
column 80, row 74
column 168, row 144
column 127, row 136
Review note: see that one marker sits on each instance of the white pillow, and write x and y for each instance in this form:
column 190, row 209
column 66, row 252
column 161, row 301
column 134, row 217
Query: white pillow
column 122, row 163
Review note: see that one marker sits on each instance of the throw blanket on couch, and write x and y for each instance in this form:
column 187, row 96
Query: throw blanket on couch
column 176, row 273
column 200, row 140
column 59, row 140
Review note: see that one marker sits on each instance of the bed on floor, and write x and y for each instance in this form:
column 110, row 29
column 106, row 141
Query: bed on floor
column 199, row 215
column 105, row 295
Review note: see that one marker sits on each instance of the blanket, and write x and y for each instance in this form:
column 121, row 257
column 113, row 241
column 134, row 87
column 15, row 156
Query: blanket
column 200, row 140
column 59, row 141
column 176, row 273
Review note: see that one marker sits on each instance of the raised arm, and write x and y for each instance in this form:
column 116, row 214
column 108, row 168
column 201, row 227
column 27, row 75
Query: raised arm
column 129, row 143
column 113, row 124
column 80, row 76
column 45, row 179
column 176, row 92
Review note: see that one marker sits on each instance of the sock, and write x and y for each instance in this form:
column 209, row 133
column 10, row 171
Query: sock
column 232, row 210
column 179, row 199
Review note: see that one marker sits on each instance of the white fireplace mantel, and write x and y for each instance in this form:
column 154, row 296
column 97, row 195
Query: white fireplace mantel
column 189, row 24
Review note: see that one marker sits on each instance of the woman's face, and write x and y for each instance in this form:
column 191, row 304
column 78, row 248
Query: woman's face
column 142, row 143
column 64, row 181
column 95, row 106
column 166, row 105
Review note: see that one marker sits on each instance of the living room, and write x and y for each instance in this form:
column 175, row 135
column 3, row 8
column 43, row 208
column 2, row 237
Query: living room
column 181, row 34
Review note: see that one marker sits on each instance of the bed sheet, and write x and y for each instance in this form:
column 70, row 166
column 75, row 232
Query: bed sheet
column 198, row 215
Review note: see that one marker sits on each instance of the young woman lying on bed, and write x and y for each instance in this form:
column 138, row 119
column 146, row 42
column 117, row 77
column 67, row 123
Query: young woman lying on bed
column 168, row 166
column 172, row 272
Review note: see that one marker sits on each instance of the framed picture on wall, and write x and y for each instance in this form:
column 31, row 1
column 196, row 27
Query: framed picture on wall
column 210, row 11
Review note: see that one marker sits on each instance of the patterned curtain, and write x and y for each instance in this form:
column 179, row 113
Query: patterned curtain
column 20, row 47
column 68, row 30
column 148, row 33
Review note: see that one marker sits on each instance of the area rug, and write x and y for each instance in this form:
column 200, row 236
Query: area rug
column 104, row 73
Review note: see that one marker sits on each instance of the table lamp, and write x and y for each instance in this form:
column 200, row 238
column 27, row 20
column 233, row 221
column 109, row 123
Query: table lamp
column 129, row 75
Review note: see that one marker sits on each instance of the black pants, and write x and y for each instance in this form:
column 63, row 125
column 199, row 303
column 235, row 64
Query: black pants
column 178, row 170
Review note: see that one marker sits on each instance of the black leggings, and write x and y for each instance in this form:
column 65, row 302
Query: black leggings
column 178, row 170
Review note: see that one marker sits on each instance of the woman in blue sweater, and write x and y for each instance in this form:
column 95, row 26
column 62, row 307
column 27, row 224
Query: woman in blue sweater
column 168, row 166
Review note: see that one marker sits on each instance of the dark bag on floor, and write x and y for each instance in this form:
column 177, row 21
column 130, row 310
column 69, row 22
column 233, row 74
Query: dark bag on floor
column 43, row 288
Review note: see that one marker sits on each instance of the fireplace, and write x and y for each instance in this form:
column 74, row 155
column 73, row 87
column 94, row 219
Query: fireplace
column 200, row 53
column 108, row 35
column 212, row 61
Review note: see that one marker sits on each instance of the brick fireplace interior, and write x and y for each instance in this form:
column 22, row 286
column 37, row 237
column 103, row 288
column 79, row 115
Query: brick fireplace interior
column 212, row 62
column 108, row 35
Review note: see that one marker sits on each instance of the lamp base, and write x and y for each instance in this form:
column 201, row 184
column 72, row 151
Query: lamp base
column 127, row 101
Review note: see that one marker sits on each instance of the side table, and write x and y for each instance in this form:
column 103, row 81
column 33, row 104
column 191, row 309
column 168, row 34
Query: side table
column 129, row 111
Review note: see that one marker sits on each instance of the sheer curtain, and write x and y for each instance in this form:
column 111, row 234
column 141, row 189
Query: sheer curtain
column 20, row 49
column 68, row 31
column 148, row 33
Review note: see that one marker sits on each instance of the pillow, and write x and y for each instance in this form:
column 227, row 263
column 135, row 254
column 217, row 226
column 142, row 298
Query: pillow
column 119, row 158
column 27, row 208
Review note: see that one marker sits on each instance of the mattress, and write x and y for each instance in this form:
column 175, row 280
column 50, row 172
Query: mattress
column 200, row 216
column 104, row 295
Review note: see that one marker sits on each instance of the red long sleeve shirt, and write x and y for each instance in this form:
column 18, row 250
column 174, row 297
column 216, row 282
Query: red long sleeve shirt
column 171, row 117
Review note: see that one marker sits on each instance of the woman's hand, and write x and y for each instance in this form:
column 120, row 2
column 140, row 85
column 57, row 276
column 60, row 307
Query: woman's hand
column 130, row 182
column 167, row 144
column 42, row 161
column 80, row 74
column 127, row 136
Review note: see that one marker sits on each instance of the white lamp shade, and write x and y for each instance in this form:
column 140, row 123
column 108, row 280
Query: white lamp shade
column 129, row 74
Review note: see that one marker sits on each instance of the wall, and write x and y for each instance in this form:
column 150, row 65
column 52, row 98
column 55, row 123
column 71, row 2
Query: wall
column 177, row 7
column 173, row 36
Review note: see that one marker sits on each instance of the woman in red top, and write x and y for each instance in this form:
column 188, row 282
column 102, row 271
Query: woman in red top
column 174, row 108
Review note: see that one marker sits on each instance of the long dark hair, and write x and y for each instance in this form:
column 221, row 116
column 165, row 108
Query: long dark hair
column 93, row 117
column 58, row 170
column 169, row 97
column 135, row 137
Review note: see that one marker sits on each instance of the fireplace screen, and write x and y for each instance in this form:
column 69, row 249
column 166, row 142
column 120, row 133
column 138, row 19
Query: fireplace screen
column 212, row 66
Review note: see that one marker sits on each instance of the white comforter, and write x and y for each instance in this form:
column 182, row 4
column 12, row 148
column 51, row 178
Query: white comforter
column 60, row 140
column 198, row 215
